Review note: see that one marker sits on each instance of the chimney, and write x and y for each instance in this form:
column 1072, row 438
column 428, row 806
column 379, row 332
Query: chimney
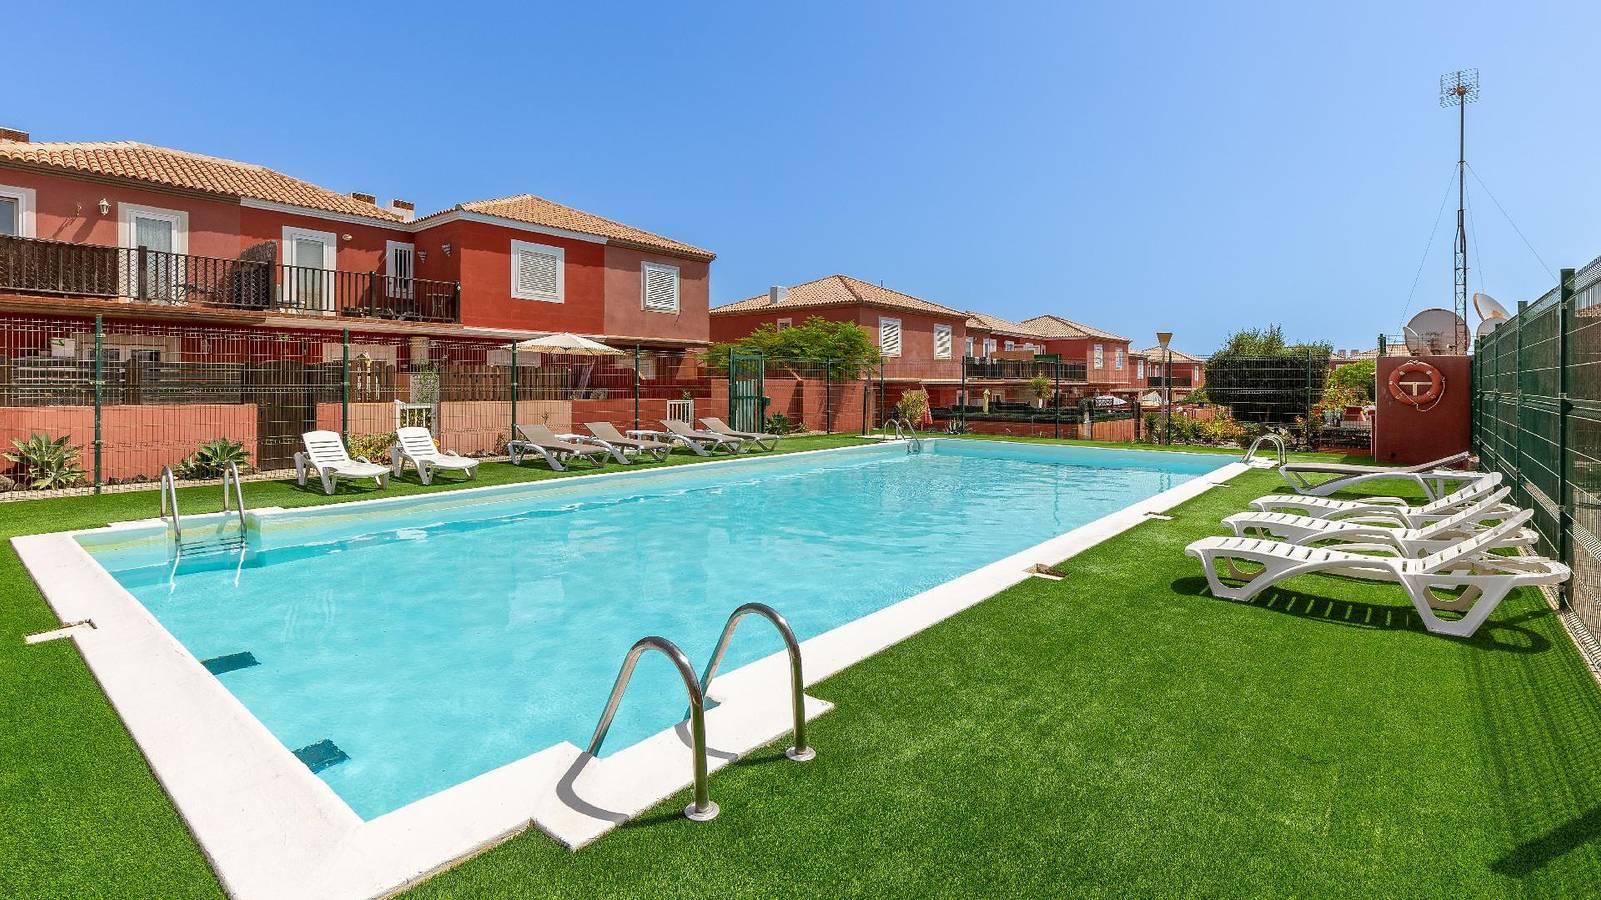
column 12, row 134
column 776, row 294
column 365, row 198
column 405, row 209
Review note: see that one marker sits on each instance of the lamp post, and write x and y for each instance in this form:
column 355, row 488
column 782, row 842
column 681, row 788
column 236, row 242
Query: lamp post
column 1163, row 338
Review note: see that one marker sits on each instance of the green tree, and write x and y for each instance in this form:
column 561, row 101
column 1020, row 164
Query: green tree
column 1358, row 377
column 845, row 346
column 1263, row 378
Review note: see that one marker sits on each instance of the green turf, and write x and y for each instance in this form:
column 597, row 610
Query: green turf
column 1118, row 732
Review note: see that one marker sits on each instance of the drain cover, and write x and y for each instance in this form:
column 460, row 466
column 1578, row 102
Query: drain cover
column 218, row 665
column 321, row 755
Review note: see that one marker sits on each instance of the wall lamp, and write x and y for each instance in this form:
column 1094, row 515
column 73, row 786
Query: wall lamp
column 105, row 206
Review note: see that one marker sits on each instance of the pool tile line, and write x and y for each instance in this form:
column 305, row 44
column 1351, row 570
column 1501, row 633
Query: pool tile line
column 216, row 758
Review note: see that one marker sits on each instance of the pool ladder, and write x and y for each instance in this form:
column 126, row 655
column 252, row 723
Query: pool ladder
column 232, row 500
column 1275, row 440
column 701, row 808
column 905, row 432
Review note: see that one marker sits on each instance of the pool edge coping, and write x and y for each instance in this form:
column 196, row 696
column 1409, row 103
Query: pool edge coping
column 269, row 826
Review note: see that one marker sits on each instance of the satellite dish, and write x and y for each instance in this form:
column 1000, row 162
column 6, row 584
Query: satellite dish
column 1435, row 332
column 1487, row 326
column 1487, row 307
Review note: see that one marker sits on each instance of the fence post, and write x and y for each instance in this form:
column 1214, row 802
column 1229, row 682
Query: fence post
column 881, row 416
column 99, row 383
column 344, row 387
column 1056, row 402
column 1564, row 496
column 961, row 408
column 1517, row 368
column 514, row 392
column 1309, row 398
column 636, row 387
column 828, row 396
column 867, row 386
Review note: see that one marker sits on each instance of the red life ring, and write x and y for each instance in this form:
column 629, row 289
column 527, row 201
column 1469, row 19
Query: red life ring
column 1414, row 390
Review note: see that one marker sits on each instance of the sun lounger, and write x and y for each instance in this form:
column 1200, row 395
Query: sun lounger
column 702, row 442
column 1432, row 477
column 759, row 438
column 1484, row 579
column 1466, row 523
column 607, row 435
column 1382, row 509
column 325, row 454
column 557, row 452
column 416, row 446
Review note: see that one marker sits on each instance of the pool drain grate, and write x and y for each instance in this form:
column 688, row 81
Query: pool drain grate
column 218, row 665
column 321, row 755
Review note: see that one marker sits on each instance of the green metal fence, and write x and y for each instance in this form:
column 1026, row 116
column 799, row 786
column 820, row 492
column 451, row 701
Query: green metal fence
column 1537, row 420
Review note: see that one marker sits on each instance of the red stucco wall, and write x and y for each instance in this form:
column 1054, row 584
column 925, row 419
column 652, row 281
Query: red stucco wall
column 1408, row 435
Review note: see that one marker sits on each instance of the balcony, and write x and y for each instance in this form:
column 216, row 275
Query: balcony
column 141, row 275
column 1179, row 381
column 1023, row 370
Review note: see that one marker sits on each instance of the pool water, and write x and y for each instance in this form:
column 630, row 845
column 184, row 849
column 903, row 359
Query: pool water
column 433, row 639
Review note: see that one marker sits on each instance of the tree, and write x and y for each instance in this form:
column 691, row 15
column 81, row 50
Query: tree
column 1262, row 378
column 846, row 346
column 1359, row 377
column 1040, row 387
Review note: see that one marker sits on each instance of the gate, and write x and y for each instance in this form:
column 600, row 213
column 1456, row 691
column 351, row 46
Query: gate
column 286, row 407
column 745, row 376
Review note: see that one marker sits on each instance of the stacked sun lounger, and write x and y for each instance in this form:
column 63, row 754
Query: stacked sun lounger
column 1460, row 552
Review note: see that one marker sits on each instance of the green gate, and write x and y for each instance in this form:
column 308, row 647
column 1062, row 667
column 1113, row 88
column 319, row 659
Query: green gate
column 745, row 374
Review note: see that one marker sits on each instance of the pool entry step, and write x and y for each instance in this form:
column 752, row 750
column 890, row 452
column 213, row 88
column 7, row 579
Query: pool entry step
column 220, row 665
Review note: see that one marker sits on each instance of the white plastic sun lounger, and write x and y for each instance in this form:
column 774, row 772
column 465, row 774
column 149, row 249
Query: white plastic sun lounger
column 1485, row 579
column 325, row 454
column 607, row 435
column 1387, row 509
column 1432, row 477
column 557, row 452
column 760, row 438
column 702, row 442
column 1466, row 523
column 416, row 446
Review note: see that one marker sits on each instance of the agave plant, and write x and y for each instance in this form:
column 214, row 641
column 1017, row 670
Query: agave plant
column 211, row 459
column 49, row 462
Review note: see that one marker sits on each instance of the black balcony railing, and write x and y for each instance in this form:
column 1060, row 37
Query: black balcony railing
column 1024, row 369
column 1179, row 381
column 142, row 275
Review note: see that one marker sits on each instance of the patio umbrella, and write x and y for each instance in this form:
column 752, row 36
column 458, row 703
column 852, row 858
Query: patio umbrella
column 566, row 344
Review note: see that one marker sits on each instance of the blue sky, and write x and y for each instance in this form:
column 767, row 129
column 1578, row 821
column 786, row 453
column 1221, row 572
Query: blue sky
column 1140, row 166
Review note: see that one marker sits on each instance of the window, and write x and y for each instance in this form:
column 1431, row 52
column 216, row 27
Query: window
column 1011, row 345
column 1139, row 368
column 785, row 324
column 160, row 274
column 889, row 336
column 1100, row 356
column 989, row 347
column 1117, row 358
column 536, row 272
column 309, row 260
column 16, row 211
column 400, row 264
column 967, row 349
column 660, row 288
column 942, row 342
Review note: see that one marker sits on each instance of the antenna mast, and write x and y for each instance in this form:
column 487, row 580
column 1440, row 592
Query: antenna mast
column 1458, row 89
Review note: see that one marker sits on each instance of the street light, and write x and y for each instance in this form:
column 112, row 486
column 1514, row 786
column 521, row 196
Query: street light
column 1163, row 338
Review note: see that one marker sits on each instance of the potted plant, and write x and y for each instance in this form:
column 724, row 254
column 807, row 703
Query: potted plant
column 1040, row 387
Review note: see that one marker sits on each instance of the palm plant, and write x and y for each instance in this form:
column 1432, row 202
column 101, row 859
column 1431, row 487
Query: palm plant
column 211, row 459
column 49, row 462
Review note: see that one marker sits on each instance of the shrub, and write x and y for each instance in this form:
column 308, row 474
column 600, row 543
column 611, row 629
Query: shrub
column 778, row 423
column 373, row 446
column 49, row 462
column 211, row 459
column 912, row 406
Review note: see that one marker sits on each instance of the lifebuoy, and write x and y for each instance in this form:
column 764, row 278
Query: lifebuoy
column 1415, row 390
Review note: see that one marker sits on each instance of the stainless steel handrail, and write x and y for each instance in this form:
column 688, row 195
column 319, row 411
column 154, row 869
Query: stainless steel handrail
column 1277, row 441
column 797, row 683
column 231, row 476
column 702, row 809
column 169, row 490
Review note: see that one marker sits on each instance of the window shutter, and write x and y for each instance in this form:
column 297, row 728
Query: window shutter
column 661, row 287
column 536, row 272
column 889, row 336
column 942, row 342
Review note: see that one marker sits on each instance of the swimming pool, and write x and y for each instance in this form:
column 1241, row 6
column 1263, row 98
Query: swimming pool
column 419, row 642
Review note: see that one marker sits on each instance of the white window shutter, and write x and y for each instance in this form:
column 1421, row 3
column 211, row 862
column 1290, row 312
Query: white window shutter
column 889, row 336
column 942, row 342
column 536, row 272
column 661, row 287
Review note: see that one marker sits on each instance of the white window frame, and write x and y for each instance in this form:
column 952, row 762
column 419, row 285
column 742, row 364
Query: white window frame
column 900, row 335
column 305, row 291
column 561, row 272
column 1099, row 351
column 1139, row 368
column 967, row 347
column 26, row 199
column 783, row 324
column 398, row 286
column 1011, row 345
column 1117, row 358
column 989, row 347
column 950, row 341
column 127, row 212
column 644, row 278
column 326, row 238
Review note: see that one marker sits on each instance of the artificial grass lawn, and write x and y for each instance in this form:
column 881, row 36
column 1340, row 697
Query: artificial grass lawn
column 1116, row 732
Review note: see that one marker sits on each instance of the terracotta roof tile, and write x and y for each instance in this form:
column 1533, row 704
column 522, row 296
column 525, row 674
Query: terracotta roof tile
column 987, row 322
column 539, row 211
column 839, row 290
column 1058, row 327
column 182, row 169
column 1156, row 353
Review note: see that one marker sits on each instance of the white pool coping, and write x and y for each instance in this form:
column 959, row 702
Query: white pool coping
column 271, row 828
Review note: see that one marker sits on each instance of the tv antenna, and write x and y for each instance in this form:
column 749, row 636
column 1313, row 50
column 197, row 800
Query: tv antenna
column 1458, row 89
